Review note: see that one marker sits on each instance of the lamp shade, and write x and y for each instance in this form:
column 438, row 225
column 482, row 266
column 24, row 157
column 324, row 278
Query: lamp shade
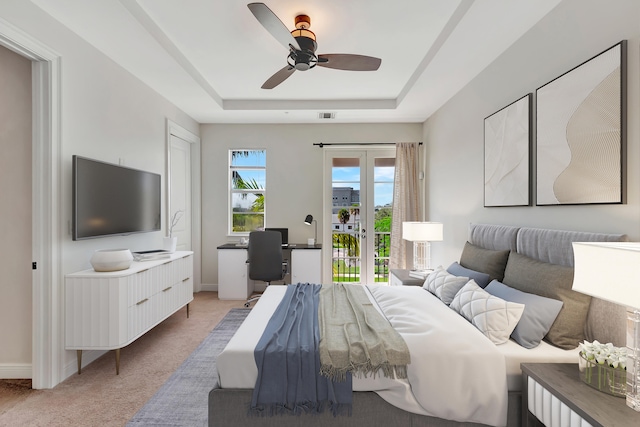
column 415, row 231
column 309, row 220
column 608, row 270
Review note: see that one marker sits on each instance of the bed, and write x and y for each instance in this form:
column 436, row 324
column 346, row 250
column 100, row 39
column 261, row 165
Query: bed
column 525, row 258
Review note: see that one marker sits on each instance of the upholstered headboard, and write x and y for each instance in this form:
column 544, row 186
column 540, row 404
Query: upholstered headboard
column 494, row 237
column 606, row 322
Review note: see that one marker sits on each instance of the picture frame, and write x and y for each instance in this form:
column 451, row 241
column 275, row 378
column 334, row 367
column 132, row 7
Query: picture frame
column 507, row 155
column 581, row 133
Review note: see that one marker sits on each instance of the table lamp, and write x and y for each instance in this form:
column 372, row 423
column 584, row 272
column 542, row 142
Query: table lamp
column 421, row 234
column 308, row 220
column 611, row 271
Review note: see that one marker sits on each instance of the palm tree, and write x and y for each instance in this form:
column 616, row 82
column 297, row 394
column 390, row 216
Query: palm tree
column 240, row 183
column 346, row 240
column 355, row 211
column 343, row 216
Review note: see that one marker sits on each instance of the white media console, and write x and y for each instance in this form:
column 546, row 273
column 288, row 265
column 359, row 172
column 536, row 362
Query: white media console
column 110, row 310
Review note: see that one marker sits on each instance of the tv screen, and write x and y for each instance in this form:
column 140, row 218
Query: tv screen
column 112, row 200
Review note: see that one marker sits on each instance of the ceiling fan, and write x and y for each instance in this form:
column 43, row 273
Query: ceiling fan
column 302, row 46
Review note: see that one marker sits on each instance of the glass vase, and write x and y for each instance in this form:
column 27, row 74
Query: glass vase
column 603, row 377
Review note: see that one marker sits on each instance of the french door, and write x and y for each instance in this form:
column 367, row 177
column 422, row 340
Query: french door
column 357, row 220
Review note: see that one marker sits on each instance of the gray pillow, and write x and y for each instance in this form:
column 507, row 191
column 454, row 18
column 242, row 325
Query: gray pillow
column 481, row 279
column 484, row 260
column 552, row 281
column 539, row 313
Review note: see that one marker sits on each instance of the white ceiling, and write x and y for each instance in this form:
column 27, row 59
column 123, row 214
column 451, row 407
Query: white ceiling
column 210, row 57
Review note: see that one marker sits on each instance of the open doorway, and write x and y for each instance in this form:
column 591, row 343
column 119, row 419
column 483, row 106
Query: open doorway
column 47, row 322
column 15, row 211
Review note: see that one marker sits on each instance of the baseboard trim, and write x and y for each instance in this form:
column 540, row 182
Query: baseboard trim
column 209, row 287
column 16, row 371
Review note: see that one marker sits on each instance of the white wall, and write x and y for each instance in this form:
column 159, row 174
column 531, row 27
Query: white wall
column 294, row 174
column 106, row 114
column 571, row 34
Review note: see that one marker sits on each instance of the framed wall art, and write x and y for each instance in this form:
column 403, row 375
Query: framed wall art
column 507, row 155
column 581, row 135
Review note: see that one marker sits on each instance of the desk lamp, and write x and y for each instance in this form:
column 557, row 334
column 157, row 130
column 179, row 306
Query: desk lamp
column 308, row 220
column 421, row 234
column 611, row 271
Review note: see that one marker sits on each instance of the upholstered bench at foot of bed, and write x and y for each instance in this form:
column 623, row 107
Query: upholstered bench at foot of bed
column 229, row 407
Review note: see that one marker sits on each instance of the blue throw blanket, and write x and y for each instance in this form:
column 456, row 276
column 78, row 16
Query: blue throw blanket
column 288, row 361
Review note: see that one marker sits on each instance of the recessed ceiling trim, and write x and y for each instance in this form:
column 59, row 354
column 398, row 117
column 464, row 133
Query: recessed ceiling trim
column 156, row 32
column 448, row 29
column 177, row 51
column 368, row 104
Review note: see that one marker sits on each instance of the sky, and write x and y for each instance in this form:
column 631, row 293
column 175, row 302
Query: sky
column 383, row 182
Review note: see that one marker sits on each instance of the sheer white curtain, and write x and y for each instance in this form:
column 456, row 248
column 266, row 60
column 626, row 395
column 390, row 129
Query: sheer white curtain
column 405, row 200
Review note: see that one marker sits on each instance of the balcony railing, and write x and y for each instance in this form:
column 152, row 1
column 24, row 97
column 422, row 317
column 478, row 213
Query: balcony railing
column 346, row 257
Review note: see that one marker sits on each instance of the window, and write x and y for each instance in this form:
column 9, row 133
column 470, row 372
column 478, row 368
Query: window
column 247, row 189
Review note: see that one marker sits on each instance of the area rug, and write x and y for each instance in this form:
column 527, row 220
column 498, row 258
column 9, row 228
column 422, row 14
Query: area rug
column 183, row 398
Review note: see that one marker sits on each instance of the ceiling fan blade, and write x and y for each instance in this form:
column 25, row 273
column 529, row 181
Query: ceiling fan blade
column 345, row 61
column 280, row 76
column 273, row 24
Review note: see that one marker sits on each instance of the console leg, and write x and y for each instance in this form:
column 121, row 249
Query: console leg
column 187, row 310
column 79, row 357
column 117, row 361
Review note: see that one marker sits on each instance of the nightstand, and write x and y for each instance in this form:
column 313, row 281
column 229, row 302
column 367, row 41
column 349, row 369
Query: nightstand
column 400, row 277
column 554, row 393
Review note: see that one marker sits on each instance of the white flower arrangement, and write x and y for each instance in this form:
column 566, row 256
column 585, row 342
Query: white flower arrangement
column 604, row 367
column 604, row 354
column 174, row 220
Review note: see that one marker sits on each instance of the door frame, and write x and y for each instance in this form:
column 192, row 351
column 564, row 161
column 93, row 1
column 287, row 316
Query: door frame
column 174, row 129
column 47, row 353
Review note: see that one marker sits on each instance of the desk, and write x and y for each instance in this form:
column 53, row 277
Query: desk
column 305, row 265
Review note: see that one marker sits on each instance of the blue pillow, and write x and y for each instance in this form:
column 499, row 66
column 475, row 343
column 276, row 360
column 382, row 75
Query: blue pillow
column 537, row 318
column 481, row 279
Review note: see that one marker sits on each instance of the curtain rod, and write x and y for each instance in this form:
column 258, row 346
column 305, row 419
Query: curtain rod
column 322, row 144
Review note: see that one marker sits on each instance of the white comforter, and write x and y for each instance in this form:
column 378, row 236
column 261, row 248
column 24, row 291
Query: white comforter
column 455, row 373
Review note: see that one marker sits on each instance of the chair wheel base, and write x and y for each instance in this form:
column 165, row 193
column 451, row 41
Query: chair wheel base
column 246, row 304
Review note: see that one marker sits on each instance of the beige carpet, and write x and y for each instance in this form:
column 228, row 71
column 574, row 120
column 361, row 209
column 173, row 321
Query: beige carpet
column 99, row 397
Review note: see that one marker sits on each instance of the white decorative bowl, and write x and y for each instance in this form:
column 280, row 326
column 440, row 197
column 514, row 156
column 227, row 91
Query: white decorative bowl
column 111, row 259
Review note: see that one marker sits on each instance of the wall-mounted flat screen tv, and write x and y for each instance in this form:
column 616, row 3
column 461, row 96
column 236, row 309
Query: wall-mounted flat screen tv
column 109, row 199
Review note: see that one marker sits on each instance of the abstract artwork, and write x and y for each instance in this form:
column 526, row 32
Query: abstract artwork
column 581, row 133
column 507, row 146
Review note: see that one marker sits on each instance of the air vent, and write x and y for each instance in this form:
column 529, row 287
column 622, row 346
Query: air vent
column 327, row 116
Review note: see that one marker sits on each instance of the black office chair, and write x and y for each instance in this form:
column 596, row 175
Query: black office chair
column 266, row 262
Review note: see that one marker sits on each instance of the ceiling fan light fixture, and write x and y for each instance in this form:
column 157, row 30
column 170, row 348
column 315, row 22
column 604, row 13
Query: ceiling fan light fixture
column 302, row 47
column 302, row 32
column 303, row 22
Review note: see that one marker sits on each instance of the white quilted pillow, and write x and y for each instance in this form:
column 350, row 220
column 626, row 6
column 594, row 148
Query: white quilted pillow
column 444, row 285
column 493, row 316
